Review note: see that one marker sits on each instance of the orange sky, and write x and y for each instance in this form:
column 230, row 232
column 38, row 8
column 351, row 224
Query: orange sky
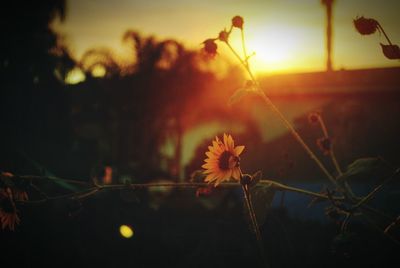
column 287, row 35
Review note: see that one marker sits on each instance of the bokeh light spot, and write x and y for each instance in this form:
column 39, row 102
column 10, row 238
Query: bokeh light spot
column 126, row 231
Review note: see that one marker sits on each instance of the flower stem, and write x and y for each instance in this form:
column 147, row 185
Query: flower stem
column 378, row 188
column 288, row 125
column 254, row 223
column 297, row 137
column 331, row 152
column 244, row 47
column 94, row 188
column 243, row 62
column 384, row 33
column 333, row 158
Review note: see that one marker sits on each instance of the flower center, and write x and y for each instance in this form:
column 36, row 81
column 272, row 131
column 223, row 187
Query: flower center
column 227, row 161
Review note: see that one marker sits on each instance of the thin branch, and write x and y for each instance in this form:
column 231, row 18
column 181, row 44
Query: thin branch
column 298, row 138
column 382, row 232
column 384, row 33
column 376, row 190
column 34, row 177
column 393, row 224
column 345, row 222
column 94, row 189
column 254, row 222
column 283, row 118
column 244, row 47
column 333, row 157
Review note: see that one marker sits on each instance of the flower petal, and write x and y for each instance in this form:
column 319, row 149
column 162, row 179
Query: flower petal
column 225, row 140
column 231, row 143
column 236, row 174
column 210, row 178
column 239, row 149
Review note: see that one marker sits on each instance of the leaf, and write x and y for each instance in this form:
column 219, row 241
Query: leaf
column 249, row 87
column 256, row 177
column 391, row 52
column 49, row 174
column 238, row 95
column 366, row 169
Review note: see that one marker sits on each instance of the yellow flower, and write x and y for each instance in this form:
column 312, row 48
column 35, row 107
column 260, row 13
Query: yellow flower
column 223, row 162
column 8, row 212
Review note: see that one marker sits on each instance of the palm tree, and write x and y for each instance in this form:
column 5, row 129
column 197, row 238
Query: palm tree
column 329, row 5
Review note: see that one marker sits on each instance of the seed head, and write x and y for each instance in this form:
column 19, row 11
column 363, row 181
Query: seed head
column 223, row 36
column 210, row 47
column 237, row 22
column 325, row 144
column 365, row 26
column 313, row 118
column 391, row 52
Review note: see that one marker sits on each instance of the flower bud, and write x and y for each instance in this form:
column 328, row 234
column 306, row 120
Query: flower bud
column 365, row 26
column 313, row 118
column 246, row 179
column 325, row 144
column 237, row 22
column 391, row 52
column 223, row 36
column 210, row 47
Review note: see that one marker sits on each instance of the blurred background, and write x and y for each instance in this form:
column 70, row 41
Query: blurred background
column 121, row 92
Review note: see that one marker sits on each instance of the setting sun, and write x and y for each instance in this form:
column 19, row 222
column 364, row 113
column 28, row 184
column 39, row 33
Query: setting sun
column 280, row 48
column 273, row 49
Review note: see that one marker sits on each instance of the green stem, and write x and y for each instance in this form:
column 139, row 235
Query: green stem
column 244, row 47
column 378, row 229
column 289, row 126
column 93, row 189
column 378, row 188
column 244, row 63
column 384, row 33
column 31, row 177
column 333, row 158
column 297, row 137
column 254, row 222
column 331, row 152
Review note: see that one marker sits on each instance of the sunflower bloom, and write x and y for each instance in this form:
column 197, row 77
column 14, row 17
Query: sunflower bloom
column 222, row 162
column 8, row 212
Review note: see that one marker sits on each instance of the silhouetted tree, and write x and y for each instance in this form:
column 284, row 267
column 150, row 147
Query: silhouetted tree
column 33, row 63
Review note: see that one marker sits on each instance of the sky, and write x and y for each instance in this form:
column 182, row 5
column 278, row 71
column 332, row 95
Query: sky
column 286, row 35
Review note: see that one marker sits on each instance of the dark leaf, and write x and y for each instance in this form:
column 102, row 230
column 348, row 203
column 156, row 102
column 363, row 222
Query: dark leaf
column 256, row 177
column 366, row 169
column 366, row 26
column 391, row 52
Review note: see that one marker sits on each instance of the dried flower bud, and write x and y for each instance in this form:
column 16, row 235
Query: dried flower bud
column 6, row 175
column 210, row 47
column 237, row 22
column 365, row 26
column 204, row 191
column 332, row 213
column 325, row 144
column 391, row 52
column 223, row 36
column 246, row 179
column 313, row 118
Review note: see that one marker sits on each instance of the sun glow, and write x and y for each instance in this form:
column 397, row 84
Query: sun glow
column 274, row 49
